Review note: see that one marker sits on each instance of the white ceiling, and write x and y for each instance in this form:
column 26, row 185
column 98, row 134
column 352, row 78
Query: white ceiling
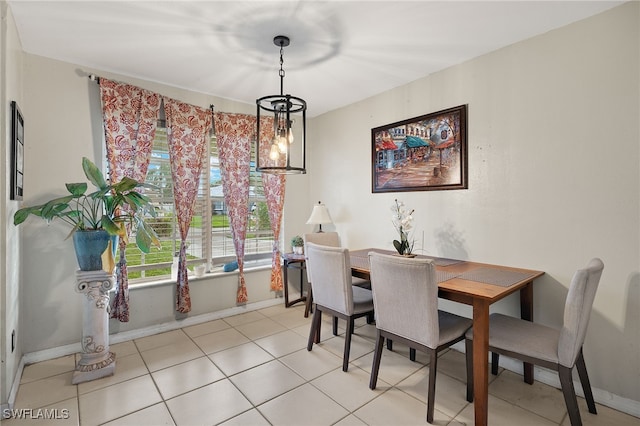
column 341, row 51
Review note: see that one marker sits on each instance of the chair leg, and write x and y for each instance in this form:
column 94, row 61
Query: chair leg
column 314, row 333
column 370, row 318
column 335, row 326
column 495, row 357
column 468, row 352
column 319, row 325
column 586, row 385
column 308, row 303
column 412, row 354
column 566, row 382
column 389, row 344
column 433, row 366
column 347, row 344
column 377, row 355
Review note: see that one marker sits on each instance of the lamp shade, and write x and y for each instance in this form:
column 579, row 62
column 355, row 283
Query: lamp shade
column 319, row 215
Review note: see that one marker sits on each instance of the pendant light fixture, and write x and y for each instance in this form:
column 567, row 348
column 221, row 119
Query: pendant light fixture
column 287, row 141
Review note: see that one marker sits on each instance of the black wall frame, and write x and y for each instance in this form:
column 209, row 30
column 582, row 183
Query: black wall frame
column 17, row 152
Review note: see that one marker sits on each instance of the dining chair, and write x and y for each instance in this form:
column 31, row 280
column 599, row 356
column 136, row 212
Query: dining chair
column 405, row 298
column 330, row 271
column 557, row 349
column 331, row 239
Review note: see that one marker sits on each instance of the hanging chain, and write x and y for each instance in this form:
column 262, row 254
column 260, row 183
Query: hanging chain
column 281, row 72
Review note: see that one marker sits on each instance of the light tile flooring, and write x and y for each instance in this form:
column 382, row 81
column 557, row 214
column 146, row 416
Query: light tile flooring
column 254, row 369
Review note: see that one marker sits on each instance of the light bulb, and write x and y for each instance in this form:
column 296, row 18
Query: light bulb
column 282, row 142
column 274, row 153
column 290, row 131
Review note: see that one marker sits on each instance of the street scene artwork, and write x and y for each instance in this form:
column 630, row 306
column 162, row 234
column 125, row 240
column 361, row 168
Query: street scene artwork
column 424, row 153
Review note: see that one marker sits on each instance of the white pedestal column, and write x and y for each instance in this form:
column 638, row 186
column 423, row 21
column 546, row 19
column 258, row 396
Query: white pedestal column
column 95, row 361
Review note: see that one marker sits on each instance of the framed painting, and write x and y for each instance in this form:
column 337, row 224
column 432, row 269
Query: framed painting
column 426, row 153
column 17, row 152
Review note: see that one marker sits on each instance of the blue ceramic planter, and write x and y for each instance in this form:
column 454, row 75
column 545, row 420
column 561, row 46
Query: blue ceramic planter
column 89, row 247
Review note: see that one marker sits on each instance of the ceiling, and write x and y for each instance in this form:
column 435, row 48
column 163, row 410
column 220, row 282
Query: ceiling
column 341, row 51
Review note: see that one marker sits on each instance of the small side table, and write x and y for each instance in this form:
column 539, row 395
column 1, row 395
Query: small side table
column 294, row 261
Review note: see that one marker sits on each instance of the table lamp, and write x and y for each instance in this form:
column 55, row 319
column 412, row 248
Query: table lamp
column 319, row 216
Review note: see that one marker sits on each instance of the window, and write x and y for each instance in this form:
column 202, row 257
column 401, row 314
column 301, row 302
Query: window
column 209, row 233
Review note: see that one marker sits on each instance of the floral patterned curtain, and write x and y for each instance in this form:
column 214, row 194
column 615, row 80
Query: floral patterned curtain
column 234, row 134
column 130, row 117
column 274, row 188
column 188, row 130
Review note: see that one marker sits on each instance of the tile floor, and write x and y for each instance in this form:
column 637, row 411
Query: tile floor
column 254, row 369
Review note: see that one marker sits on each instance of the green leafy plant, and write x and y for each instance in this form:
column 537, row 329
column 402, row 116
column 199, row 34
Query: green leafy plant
column 297, row 241
column 111, row 207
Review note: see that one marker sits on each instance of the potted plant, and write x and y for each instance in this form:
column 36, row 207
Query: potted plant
column 97, row 216
column 297, row 244
column 402, row 220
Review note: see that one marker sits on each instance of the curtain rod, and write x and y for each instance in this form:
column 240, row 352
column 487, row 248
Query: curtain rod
column 95, row 78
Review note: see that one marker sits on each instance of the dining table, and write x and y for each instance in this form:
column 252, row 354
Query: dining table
column 478, row 285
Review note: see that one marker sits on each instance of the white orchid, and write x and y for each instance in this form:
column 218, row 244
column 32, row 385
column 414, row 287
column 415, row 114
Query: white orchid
column 402, row 219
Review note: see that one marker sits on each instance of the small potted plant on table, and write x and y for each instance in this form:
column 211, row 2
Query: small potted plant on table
column 297, row 244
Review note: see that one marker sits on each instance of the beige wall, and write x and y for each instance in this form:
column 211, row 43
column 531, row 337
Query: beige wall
column 11, row 83
column 553, row 138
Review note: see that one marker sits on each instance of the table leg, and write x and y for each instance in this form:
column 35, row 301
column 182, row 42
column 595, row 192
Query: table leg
column 302, row 284
column 480, row 361
column 285, row 279
column 526, row 313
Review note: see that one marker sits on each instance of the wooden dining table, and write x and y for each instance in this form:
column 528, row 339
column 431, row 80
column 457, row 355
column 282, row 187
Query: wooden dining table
column 478, row 285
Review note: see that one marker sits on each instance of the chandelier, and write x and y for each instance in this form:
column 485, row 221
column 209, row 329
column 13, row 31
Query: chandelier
column 287, row 140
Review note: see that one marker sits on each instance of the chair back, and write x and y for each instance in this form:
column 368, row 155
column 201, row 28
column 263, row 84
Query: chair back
column 331, row 239
column 329, row 270
column 577, row 310
column 405, row 297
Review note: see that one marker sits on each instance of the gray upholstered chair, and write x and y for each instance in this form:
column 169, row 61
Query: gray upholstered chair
column 331, row 239
column 405, row 297
column 555, row 349
column 330, row 271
